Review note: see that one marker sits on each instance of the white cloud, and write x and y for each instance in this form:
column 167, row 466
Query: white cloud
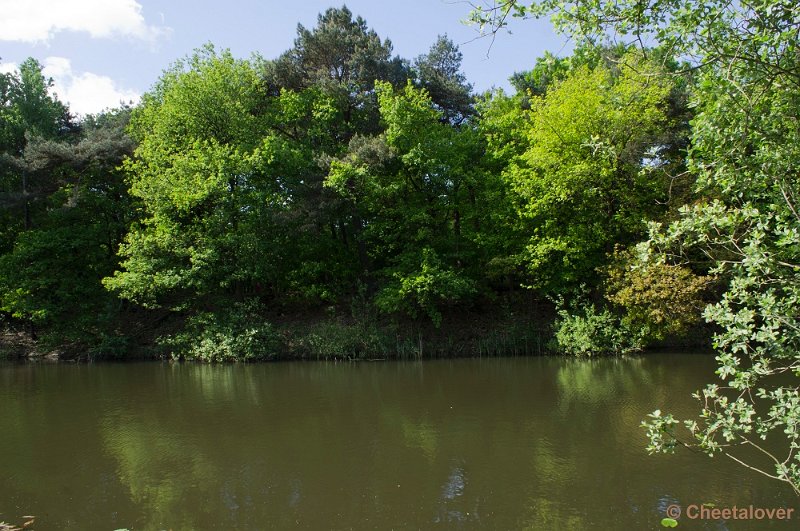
column 7, row 68
column 85, row 92
column 57, row 67
column 39, row 20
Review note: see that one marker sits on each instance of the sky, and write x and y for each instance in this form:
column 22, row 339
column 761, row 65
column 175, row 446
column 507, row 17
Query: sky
column 102, row 52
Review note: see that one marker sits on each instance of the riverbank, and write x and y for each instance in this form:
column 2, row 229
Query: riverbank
column 517, row 327
column 327, row 334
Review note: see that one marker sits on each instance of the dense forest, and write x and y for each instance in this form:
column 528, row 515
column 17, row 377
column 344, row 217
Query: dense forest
column 340, row 201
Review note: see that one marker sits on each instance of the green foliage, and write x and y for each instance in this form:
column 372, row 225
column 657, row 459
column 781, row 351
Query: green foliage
column 28, row 106
column 581, row 173
column 216, row 169
column 547, row 71
column 28, row 113
column 236, row 333
column 51, row 276
column 334, row 172
column 657, row 300
column 343, row 57
column 439, row 73
column 758, row 343
column 746, row 148
column 582, row 330
column 334, row 339
column 340, row 49
column 550, row 70
column 45, row 277
column 425, row 206
column 425, row 290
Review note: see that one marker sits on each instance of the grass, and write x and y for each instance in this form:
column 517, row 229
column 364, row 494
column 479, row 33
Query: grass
column 369, row 339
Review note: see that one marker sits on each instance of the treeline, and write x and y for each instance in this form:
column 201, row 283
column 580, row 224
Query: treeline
column 341, row 201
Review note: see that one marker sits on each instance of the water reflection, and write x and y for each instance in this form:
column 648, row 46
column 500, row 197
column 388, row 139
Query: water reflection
column 160, row 468
column 512, row 444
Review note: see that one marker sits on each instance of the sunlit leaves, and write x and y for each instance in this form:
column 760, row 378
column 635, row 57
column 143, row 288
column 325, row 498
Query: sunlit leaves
column 580, row 177
column 218, row 159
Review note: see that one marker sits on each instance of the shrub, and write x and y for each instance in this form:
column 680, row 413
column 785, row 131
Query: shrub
column 584, row 331
column 238, row 333
column 657, row 300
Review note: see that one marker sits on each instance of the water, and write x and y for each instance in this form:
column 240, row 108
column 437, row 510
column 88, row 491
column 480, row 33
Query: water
column 532, row 443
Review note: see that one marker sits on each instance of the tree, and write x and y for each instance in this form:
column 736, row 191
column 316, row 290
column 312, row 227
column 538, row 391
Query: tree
column 439, row 72
column 426, row 203
column 745, row 155
column 29, row 110
column 51, row 276
column 550, row 69
column 32, row 108
column 29, row 115
column 203, row 172
column 221, row 170
column 547, row 70
column 583, row 172
column 343, row 57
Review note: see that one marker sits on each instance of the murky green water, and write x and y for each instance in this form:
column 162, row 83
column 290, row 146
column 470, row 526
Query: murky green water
column 544, row 443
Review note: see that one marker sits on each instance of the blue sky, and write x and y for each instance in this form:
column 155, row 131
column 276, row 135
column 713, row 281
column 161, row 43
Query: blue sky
column 102, row 51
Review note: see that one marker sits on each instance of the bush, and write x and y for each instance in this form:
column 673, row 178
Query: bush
column 657, row 300
column 584, row 331
column 236, row 334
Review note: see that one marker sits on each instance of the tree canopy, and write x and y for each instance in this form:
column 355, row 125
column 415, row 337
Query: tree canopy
column 335, row 175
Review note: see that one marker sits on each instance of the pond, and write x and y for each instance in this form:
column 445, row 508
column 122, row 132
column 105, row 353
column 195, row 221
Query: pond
column 514, row 443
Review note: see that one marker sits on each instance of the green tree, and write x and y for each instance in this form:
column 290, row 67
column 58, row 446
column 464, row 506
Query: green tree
column 30, row 107
column 222, row 170
column 51, row 276
column 745, row 155
column 585, row 168
column 439, row 72
column 29, row 110
column 551, row 69
column 343, row 57
column 212, row 175
column 29, row 116
column 426, row 202
column 547, row 70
